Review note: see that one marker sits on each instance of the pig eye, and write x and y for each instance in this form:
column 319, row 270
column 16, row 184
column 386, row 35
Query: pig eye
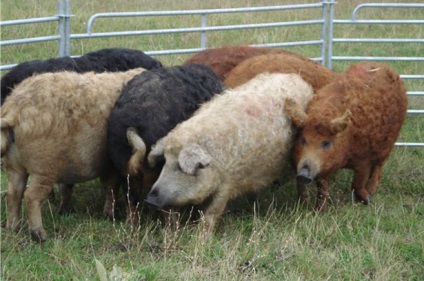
column 302, row 141
column 326, row 144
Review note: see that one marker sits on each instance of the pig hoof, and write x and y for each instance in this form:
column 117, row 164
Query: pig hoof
column 38, row 235
column 366, row 201
column 363, row 198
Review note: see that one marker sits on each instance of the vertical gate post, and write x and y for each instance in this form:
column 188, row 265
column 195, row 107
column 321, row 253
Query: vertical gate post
column 330, row 34
column 67, row 28
column 64, row 24
column 324, row 30
column 61, row 28
column 203, row 33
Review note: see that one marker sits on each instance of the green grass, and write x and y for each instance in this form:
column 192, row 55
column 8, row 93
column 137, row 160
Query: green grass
column 277, row 240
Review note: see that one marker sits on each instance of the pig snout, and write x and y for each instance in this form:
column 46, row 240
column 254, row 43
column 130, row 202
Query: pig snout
column 304, row 175
column 153, row 200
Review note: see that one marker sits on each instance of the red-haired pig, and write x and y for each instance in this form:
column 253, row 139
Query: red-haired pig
column 351, row 123
column 223, row 59
column 312, row 72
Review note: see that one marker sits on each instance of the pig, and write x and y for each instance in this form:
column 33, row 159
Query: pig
column 54, row 129
column 351, row 123
column 239, row 142
column 312, row 72
column 111, row 60
column 150, row 105
column 222, row 60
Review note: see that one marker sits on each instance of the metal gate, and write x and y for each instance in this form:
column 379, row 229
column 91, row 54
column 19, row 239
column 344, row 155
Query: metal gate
column 327, row 41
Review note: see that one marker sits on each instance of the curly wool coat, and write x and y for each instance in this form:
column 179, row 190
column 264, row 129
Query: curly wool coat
column 111, row 60
column 351, row 123
column 54, row 128
column 150, row 106
column 238, row 142
column 312, row 72
column 223, row 59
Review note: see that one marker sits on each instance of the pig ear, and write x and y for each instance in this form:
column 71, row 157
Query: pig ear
column 157, row 154
column 139, row 151
column 296, row 113
column 340, row 123
column 192, row 157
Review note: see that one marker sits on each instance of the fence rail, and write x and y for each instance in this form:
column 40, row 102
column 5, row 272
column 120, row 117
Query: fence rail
column 326, row 41
column 65, row 36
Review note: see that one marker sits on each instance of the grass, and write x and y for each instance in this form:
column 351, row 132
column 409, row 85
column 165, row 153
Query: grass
column 277, row 240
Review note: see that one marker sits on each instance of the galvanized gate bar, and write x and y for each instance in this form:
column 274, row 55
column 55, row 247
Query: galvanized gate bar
column 27, row 21
column 379, row 21
column 384, row 5
column 410, row 144
column 358, row 58
column 377, row 40
column 29, row 40
column 271, row 45
column 193, row 29
column 198, row 12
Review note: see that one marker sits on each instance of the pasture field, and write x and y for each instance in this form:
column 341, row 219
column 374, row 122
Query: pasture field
column 277, row 239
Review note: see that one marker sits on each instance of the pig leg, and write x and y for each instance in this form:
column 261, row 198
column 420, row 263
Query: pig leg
column 302, row 192
column 375, row 178
column 360, row 179
column 323, row 194
column 17, row 181
column 215, row 210
column 66, row 194
column 110, row 183
column 37, row 192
